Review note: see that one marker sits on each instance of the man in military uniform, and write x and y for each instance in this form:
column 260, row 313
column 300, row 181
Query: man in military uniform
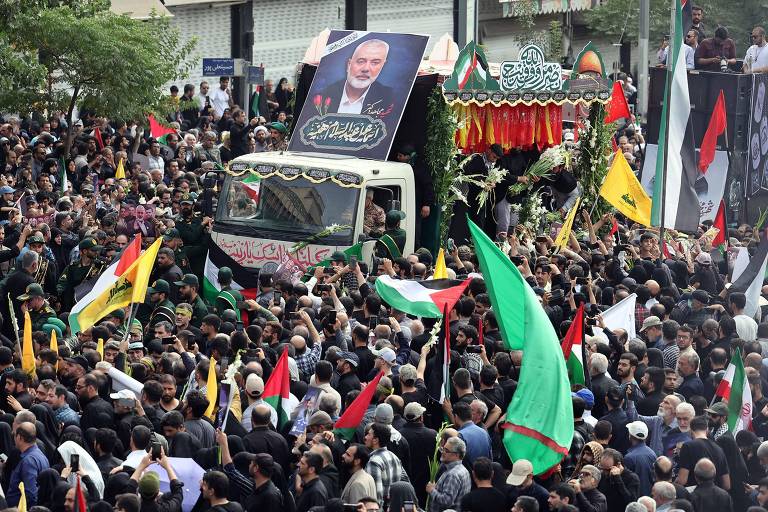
column 163, row 309
column 77, row 272
column 189, row 287
column 172, row 240
column 227, row 298
column 193, row 232
column 46, row 272
column 394, row 236
column 33, row 301
column 277, row 131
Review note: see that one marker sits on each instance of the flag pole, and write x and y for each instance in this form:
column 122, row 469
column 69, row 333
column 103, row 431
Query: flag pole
column 670, row 75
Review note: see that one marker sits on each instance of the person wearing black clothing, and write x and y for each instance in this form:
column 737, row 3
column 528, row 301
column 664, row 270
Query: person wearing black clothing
column 484, row 498
column 619, row 485
column 308, row 488
column 214, row 488
column 264, row 440
column 14, row 285
column 421, row 440
column 239, row 132
column 652, row 384
column 698, row 448
column 363, row 353
column 103, row 444
column 480, row 164
column 617, row 417
column 348, row 379
column 97, row 412
column 266, row 497
column 151, row 499
column 707, row 497
column 425, row 191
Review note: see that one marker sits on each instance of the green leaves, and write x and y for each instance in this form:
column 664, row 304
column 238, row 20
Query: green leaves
column 77, row 52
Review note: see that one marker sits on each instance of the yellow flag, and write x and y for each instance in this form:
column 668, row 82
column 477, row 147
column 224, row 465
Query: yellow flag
column 22, row 506
column 210, row 389
column 55, row 346
column 440, row 270
column 27, row 350
column 100, row 348
column 130, row 287
column 120, row 172
column 625, row 193
column 561, row 242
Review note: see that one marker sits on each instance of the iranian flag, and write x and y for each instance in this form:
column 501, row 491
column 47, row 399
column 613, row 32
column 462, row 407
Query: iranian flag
column 573, row 345
column 252, row 186
column 347, row 424
column 734, row 389
column 105, row 281
column 537, row 425
column 277, row 391
column 426, row 299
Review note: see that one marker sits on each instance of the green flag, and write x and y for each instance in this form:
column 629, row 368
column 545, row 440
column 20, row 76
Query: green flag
column 538, row 422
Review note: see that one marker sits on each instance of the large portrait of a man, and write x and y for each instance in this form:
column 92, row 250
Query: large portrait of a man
column 363, row 83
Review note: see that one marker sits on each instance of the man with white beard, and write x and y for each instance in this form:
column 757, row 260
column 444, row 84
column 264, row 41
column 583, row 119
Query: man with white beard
column 659, row 426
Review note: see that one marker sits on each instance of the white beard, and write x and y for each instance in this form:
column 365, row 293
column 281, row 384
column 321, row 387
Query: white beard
column 359, row 84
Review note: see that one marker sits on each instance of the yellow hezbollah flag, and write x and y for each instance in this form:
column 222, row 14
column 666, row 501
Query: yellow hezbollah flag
column 120, row 172
column 100, row 348
column 131, row 287
column 625, row 193
column 55, row 346
column 561, row 242
column 440, row 270
column 27, row 350
column 210, row 389
column 22, row 506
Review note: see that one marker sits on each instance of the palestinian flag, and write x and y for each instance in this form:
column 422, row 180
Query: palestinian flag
column 472, row 68
column 157, row 130
column 749, row 272
column 244, row 281
column 355, row 250
column 426, row 299
column 573, row 347
column 347, row 424
column 734, row 389
column 676, row 170
column 277, row 391
column 720, row 242
column 80, row 503
column 252, row 186
column 538, row 426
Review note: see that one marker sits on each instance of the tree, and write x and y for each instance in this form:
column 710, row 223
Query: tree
column 57, row 55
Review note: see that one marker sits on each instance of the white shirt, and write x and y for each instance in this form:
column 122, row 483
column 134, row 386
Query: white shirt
column 219, row 101
column 746, row 327
column 155, row 162
column 347, row 106
column 690, row 52
column 756, row 57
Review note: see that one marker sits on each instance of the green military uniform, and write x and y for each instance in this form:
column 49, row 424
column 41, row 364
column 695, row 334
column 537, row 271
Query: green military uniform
column 74, row 274
column 195, row 238
column 391, row 244
column 227, row 297
column 38, row 317
column 165, row 310
column 199, row 307
column 179, row 254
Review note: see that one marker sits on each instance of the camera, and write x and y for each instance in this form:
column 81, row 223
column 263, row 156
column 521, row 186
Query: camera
column 591, row 321
column 581, row 280
column 74, row 462
column 323, row 287
column 556, row 297
column 155, row 450
column 517, row 260
column 474, row 349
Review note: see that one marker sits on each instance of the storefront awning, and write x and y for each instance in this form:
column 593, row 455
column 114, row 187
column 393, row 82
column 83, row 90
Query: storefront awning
column 548, row 6
column 139, row 9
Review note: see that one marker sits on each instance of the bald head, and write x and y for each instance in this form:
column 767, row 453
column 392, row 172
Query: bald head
column 298, row 343
column 704, row 471
column 653, row 287
column 26, row 432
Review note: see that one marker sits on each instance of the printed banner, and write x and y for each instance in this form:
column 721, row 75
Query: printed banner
column 358, row 94
column 305, row 409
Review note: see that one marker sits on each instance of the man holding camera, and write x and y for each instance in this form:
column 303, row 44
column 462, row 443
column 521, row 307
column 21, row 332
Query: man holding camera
column 77, row 272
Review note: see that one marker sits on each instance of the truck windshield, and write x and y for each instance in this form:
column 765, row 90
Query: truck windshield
column 297, row 206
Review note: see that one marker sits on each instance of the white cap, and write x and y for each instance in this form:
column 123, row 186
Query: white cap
column 123, row 393
column 638, row 430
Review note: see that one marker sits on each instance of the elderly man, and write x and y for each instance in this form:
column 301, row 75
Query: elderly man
column 588, row 498
column 454, row 481
column 32, row 462
column 687, row 366
column 663, row 494
column 707, row 497
column 361, row 92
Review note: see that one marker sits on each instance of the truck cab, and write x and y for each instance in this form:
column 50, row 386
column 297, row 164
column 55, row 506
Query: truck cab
column 270, row 201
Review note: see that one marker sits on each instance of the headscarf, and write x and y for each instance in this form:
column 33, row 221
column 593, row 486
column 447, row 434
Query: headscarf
column 400, row 492
column 59, row 494
column 47, row 480
column 595, row 448
column 87, row 464
column 50, row 431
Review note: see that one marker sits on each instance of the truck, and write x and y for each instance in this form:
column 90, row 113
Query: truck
column 270, row 201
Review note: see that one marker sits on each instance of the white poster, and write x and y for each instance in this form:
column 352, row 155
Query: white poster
column 709, row 187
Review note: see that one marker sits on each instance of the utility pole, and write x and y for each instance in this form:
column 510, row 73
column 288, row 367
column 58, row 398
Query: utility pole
column 642, row 66
column 356, row 14
column 466, row 21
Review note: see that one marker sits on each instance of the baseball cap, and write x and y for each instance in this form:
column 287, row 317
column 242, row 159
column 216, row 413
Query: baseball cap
column 89, row 243
column 30, row 200
column 587, row 396
column 33, row 290
column 159, row 286
column 704, row 258
column 254, row 385
column 136, row 345
column 413, row 411
column 384, row 414
column 394, row 216
column 520, row 471
column 718, row 409
column 408, row 373
column 351, row 357
column 651, row 321
column 701, row 296
column 123, row 393
column 387, row 354
column 36, row 239
column 171, row 234
column 5, row 189
column 80, row 360
column 638, row 429
column 149, row 485
column 188, row 280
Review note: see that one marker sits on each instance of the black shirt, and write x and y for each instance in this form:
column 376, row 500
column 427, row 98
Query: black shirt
column 484, row 499
column 230, row 506
column 266, row 498
column 697, row 449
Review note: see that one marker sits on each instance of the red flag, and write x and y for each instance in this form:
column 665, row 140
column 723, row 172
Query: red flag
column 80, row 504
column 130, row 254
column 665, row 250
column 347, row 424
column 617, row 107
column 721, row 239
column 97, row 135
column 614, row 227
column 156, row 129
column 714, row 130
column 614, row 145
column 575, row 332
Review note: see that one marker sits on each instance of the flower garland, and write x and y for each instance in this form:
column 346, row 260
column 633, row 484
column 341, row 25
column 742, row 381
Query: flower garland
column 592, row 156
column 542, row 168
column 495, row 175
column 531, row 213
column 328, row 231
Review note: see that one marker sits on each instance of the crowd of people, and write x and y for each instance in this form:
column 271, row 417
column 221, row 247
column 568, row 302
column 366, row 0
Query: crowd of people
column 650, row 433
